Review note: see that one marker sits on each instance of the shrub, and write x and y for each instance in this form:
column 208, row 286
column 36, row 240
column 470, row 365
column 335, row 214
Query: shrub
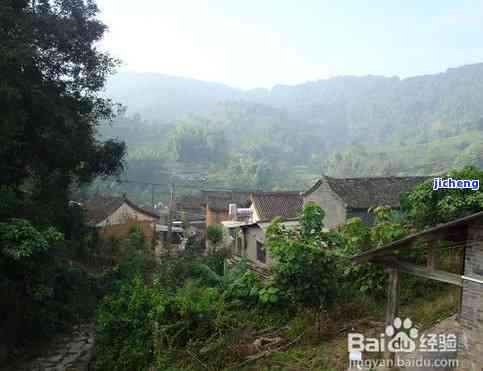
column 139, row 325
column 426, row 207
column 305, row 266
column 214, row 233
column 124, row 326
column 46, row 290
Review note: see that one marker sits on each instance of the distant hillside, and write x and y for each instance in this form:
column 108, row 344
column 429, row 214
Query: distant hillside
column 165, row 98
column 347, row 108
column 274, row 138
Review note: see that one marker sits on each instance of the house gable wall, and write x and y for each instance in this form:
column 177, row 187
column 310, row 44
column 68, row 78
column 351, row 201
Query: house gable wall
column 124, row 214
column 330, row 202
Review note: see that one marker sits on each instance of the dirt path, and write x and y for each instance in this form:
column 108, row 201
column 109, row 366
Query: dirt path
column 67, row 352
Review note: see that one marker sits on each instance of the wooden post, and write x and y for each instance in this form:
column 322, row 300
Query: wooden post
column 433, row 254
column 392, row 304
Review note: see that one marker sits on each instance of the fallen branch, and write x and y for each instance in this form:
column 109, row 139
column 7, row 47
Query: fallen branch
column 197, row 359
column 266, row 353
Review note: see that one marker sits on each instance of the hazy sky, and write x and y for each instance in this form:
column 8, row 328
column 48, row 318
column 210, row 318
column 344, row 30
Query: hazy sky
column 260, row 43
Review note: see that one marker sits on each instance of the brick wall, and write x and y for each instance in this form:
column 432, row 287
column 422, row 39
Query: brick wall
column 471, row 316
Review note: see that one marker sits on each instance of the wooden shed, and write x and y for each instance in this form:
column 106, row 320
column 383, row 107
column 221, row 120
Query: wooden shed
column 464, row 234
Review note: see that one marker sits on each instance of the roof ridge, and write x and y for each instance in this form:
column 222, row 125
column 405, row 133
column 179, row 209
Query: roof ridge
column 379, row 177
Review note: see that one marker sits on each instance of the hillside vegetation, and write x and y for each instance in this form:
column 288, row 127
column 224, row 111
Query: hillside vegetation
column 284, row 137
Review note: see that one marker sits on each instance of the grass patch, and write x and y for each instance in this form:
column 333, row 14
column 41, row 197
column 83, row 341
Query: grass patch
column 327, row 351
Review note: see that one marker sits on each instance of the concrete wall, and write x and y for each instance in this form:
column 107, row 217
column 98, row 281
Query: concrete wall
column 471, row 316
column 252, row 234
column 330, row 202
column 123, row 215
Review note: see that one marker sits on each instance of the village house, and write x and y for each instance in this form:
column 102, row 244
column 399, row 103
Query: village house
column 117, row 216
column 345, row 198
column 178, row 240
column 216, row 204
column 465, row 237
column 246, row 227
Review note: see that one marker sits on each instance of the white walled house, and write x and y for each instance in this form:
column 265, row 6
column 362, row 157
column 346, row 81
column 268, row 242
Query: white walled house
column 245, row 233
column 345, row 198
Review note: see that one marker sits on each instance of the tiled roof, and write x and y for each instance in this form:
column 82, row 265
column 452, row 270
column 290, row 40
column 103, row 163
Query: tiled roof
column 362, row 193
column 101, row 206
column 286, row 205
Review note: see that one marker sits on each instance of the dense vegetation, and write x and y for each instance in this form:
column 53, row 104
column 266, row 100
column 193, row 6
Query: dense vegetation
column 285, row 137
column 51, row 74
column 195, row 312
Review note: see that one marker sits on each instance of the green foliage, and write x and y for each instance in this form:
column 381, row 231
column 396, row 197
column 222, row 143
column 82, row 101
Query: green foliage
column 52, row 75
column 357, row 237
column 311, row 220
column 40, row 291
column 388, row 226
column 19, row 240
column 426, row 207
column 269, row 295
column 214, row 233
column 305, row 266
column 368, row 279
column 280, row 139
column 138, row 325
column 124, row 338
column 236, row 283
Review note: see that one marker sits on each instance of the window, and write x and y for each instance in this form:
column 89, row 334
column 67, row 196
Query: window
column 261, row 253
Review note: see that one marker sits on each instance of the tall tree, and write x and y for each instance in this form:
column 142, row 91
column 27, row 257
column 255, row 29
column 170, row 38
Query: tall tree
column 51, row 74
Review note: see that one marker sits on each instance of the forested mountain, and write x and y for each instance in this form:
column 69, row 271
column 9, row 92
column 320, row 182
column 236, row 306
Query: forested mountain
column 287, row 135
column 161, row 97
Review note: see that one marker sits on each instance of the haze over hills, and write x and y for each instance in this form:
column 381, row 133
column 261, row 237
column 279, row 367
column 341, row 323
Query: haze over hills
column 161, row 97
column 273, row 138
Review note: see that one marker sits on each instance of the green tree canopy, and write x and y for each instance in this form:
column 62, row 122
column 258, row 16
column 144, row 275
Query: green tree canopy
column 51, row 73
column 426, row 207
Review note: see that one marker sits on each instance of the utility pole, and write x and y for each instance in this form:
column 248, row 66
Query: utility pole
column 172, row 210
column 152, row 196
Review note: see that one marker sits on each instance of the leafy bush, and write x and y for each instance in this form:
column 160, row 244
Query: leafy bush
column 140, row 324
column 124, row 326
column 46, row 291
column 237, row 282
column 426, row 207
column 357, row 237
column 214, row 233
column 20, row 241
column 305, row 265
